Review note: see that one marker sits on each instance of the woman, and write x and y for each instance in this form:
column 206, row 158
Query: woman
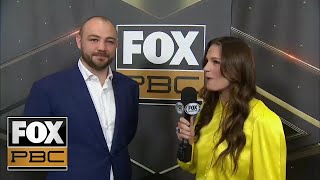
column 235, row 136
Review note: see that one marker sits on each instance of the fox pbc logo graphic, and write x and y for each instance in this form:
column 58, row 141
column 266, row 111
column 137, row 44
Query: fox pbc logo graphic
column 163, row 59
column 37, row 143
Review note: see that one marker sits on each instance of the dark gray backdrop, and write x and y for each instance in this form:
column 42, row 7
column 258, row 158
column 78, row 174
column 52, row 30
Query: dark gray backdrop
column 37, row 39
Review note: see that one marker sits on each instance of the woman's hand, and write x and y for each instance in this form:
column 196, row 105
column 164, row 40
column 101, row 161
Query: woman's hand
column 185, row 129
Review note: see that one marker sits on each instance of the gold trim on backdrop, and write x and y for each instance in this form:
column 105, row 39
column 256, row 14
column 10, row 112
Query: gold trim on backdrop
column 169, row 169
column 278, row 51
column 40, row 48
column 288, row 107
column 140, row 4
column 142, row 166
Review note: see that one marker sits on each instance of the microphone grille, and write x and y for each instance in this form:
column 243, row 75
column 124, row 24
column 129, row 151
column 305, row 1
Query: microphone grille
column 188, row 95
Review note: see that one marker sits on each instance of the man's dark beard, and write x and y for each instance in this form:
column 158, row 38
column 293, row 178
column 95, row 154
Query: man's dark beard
column 87, row 59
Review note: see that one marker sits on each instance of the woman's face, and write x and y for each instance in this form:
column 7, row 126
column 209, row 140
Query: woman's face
column 213, row 77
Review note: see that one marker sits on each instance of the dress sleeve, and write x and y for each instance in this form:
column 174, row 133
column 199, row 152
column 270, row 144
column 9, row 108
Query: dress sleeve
column 189, row 166
column 268, row 147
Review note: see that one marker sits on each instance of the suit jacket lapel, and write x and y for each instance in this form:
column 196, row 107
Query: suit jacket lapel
column 116, row 84
column 81, row 94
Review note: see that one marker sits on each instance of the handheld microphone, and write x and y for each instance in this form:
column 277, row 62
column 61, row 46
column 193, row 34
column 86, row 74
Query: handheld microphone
column 191, row 107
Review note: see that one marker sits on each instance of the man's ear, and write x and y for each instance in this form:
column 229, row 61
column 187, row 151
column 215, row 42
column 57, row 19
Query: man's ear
column 78, row 40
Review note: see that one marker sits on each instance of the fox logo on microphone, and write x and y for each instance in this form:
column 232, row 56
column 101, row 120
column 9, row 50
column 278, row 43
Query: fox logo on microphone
column 192, row 108
column 37, row 143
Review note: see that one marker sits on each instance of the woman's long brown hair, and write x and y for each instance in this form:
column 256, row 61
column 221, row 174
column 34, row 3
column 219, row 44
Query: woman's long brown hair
column 238, row 67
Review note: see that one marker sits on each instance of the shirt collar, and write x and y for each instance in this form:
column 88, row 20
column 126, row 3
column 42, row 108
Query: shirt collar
column 86, row 74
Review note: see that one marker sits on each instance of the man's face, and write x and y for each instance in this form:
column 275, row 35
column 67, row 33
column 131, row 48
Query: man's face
column 97, row 43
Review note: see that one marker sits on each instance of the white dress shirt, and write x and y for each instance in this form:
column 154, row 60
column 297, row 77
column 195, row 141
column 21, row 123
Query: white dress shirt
column 103, row 100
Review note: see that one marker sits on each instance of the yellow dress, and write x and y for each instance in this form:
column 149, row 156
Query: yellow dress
column 262, row 158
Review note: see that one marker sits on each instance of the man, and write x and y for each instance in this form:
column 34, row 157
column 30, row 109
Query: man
column 101, row 106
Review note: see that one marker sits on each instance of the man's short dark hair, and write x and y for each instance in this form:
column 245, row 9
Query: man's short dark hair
column 93, row 17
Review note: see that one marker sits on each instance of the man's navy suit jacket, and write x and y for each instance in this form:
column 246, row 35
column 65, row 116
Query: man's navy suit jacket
column 66, row 94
